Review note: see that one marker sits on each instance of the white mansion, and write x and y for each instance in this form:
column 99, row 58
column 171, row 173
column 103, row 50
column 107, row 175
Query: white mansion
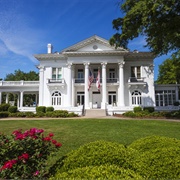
column 68, row 80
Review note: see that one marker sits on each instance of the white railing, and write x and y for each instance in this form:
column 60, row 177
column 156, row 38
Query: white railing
column 134, row 79
column 62, row 81
column 18, row 83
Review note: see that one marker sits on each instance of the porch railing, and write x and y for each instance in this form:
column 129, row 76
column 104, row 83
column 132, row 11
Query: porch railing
column 18, row 83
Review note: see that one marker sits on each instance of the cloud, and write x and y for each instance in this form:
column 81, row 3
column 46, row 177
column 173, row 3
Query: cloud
column 16, row 35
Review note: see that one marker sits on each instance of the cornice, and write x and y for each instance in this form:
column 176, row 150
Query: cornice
column 50, row 56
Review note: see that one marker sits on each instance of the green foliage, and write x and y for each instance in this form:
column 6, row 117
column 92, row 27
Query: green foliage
column 19, row 75
column 4, row 114
column 40, row 114
column 4, row 107
column 24, row 155
column 72, row 114
column 49, row 109
column 169, row 70
column 148, row 109
column 101, row 172
column 153, row 142
column 98, row 153
column 29, row 114
column 137, row 109
column 41, row 109
column 12, row 109
column 156, row 20
column 159, row 163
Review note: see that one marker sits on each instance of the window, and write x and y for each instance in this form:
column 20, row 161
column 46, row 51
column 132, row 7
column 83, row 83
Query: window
column 111, row 77
column 80, row 98
column 95, row 72
column 80, row 74
column 112, row 97
column 165, row 97
column 136, row 72
column 136, row 98
column 56, row 98
column 56, row 73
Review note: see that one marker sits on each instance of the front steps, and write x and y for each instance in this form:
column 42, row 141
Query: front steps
column 95, row 113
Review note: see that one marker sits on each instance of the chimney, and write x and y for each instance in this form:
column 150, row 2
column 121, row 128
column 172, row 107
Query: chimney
column 49, row 48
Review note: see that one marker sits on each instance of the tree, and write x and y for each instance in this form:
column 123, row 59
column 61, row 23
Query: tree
column 157, row 20
column 169, row 70
column 20, row 75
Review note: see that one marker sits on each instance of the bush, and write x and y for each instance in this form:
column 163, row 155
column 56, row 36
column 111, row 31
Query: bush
column 24, row 155
column 49, row 109
column 40, row 114
column 49, row 114
column 41, row 109
column 60, row 113
column 129, row 114
column 4, row 114
column 153, row 142
column 4, row 107
column 20, row 114
column 98, row 172
column 12, row 109
column 29, row 114
column 159, row 163
column 148, row 109
column 137, row 109
column 96, row 154
column 72, row 114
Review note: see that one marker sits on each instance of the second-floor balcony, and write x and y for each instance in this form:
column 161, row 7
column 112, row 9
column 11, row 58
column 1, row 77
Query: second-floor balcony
column 108, row 80
column 133, row 81
column 60, row 81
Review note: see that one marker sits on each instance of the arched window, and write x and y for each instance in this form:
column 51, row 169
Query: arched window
column 56, row 98
column 136, row 98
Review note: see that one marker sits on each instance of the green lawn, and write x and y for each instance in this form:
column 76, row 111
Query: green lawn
column 75, row 132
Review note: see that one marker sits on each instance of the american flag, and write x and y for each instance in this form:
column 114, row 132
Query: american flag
column 90, row 79
column 98, row 81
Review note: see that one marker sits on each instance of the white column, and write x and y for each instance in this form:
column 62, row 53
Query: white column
column 41, row 86
column 86, row 92
column 69, row 85
column 21, row 99
column 7, row 97
column 18, row 101
column 104, row 93
column 0, row 97
column 121, row 85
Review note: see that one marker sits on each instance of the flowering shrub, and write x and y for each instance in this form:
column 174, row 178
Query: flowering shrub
column 24, row 155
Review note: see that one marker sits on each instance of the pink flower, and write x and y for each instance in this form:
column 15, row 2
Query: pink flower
column 24, row 156
column 8, row 164
column 36, row 173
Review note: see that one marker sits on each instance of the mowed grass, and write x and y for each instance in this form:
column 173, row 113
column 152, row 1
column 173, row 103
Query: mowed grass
column 73, row 133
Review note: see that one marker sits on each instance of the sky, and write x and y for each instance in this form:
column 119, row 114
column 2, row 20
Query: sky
column 27, row 26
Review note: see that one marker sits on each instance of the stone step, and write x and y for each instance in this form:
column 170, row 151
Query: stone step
column 95, row 113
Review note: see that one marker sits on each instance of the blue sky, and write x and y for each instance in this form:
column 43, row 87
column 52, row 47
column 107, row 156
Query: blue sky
column 27, row 26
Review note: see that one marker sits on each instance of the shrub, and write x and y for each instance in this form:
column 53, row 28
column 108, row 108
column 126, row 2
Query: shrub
column 98, row 172
column 49, row 114
column 49, row 109
column 40, row 114
column 4, row 107
column 72, row 114
column 12, row 109
column 96, row 154
column 29, row 114
column 41, row 109
column 148, row 109
column 60, row 113
column 129, row 114
column 4, row 114
column 137, row 109
column 153, row 142
column 24, row 155
column 20, row 114
column 159, row 163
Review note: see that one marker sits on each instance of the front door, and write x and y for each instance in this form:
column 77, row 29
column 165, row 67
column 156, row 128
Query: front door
column 96, row 100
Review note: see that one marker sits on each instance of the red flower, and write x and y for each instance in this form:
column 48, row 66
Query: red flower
column 36, row 173
column 47, row 139
column 54, row 141
column 58, row 144
column 51, row 134
column 9, row 164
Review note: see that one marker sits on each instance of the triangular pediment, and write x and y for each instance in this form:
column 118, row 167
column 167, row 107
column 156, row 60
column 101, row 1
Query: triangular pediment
column 94, row 43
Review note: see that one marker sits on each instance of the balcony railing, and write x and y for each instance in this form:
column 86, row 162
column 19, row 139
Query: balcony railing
column 109, row 80
column 135, row 80
column 60, row 81
column 18, row 83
